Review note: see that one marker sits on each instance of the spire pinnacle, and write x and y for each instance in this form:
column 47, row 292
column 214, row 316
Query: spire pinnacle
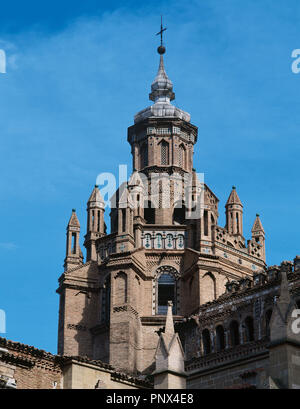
column 233, row 198
column 161, row 49
column 73, row 222
column 257, row 226
column 95, row 200
column 162, row 86
column 162, row 92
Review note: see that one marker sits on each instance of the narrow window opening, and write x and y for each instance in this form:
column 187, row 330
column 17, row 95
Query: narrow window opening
column 73, row 243
column 106, row 300
column 220, row 338
column 166, row 292
column 123, row 220
column 249, row 329
column 149, row 213
column 206, row 341
column 144, row 155
column 98, row 221
column 205, row 223
column 179, row 213
column 164, row 153
column 93, row 219
column 181, row 156
column 234, row 333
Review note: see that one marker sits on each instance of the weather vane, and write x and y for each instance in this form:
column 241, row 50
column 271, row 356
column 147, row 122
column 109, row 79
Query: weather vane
column 161, row 49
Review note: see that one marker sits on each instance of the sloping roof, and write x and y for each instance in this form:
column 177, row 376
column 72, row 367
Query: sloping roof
column 257, row 226
column 96, row 196
column 74, row 222
column 233, row 198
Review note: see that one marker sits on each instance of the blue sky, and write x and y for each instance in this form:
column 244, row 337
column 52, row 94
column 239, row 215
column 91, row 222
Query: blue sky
column 77, row 73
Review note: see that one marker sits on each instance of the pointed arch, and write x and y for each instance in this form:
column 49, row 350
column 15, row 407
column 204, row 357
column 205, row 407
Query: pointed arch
column 120, row 288
column 182, row 156
column 164, row 152
column 208, row 288
column 179, row 213
column 166, row 289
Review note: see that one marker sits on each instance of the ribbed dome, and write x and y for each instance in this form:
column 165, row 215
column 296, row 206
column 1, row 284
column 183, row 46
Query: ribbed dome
column 162, row 86
column 162, row 94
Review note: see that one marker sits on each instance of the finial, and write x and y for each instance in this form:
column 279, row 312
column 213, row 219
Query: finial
column 257, row 215
column 73, row 210
column 161, row 49
column 169, row 327
column 96, row 186
column 233, row 187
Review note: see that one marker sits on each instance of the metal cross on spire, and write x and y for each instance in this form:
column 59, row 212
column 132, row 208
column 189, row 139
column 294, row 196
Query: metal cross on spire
column 162, row 29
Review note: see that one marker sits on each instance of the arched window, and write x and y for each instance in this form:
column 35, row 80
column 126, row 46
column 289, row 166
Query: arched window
column 268, row 320
column 166, row 291
column 249, row 329
column 144, row 155
column 149, row 213
column 208, row 288
column 206, row 341
column 166, row 287
column 106, row 300
column 179, row 213
column 120, row 288
column 220, row 334
column 164, row 153
column 158, row 241
column 181, row 156
column 234, row 333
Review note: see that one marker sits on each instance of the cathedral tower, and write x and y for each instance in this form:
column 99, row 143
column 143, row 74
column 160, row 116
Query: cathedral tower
column 158, row 249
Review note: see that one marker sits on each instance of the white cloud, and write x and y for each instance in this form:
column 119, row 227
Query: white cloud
column 8, row 246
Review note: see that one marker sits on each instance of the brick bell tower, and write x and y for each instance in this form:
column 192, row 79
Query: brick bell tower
column 113, row 306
